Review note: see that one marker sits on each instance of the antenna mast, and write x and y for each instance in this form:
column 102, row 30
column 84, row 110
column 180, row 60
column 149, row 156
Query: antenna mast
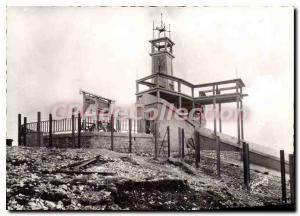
column 153, row 30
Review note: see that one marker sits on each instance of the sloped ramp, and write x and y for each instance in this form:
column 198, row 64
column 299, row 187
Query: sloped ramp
column 229, row 143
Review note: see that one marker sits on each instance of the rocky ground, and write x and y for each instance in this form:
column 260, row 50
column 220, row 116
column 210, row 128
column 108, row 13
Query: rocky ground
column 57, row 179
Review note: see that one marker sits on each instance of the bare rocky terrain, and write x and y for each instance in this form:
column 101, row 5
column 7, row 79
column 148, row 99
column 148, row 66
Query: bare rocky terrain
column 99, row 179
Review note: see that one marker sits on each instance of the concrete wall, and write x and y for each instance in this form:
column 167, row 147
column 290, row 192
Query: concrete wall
column 174, row 123
column 140, row 142
column 32, row 139
column 207, row 142
column 167, row 116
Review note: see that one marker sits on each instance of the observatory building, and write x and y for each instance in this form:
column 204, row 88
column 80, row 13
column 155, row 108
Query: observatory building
column 171, row 111
column 170, row 94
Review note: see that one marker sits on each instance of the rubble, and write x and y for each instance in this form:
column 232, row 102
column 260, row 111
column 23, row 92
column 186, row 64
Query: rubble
column 118, row 181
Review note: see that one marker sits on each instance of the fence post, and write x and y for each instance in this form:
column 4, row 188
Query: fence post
column 25, row 131
column 50, row 130
column 283, row 182
column 117, row 124
column 73, row 128
column 197, row 148
column 246, row 165
column 218, row 156
column 182, row 143
column 97, row 120
column 130, row 137
column 168, row 134
column 179, row 142
column 79, row 130
column 38, row 128
column 292, row 177
column 84, row 125
column 155, row 140
column 112, row 132
column 19, row 129
column 144, row 128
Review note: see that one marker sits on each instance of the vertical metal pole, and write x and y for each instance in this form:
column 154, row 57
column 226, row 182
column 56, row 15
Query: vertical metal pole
column 168, row 134
column 218, row 157
column 182, row 143
column 214, row 110
column 79, row 130
column 50, row 130
column 155, row 140
column 144, row 125
column 215, row 120
column 134, row 126
column 112, row 132
column 246, row 165
column 201, row 115
column 283, row 182
column 73, row 128
column 238, row 119
column 19, row 129
column 220, row 118
column 193, row 107
column 25, row 131
column 97, row 119
column 153, row 34
column 192, row 89
column 242, row 115
column 118, row 125
column 63, row 124
column 38, row 128
column 179, row 142
column 179, row 102
column 292, row 177
column 130, row 137
column 179, row 98
column 197, row 148
column 242, row 120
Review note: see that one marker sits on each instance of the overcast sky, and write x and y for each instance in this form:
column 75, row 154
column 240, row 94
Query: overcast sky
column 52, row 52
